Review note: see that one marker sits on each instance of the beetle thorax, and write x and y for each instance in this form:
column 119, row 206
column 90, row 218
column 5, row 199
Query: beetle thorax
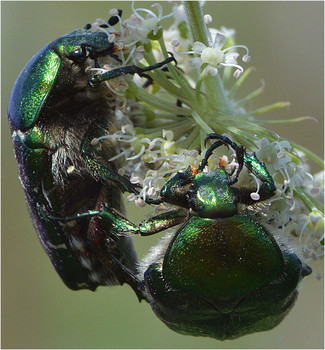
column 212, row 197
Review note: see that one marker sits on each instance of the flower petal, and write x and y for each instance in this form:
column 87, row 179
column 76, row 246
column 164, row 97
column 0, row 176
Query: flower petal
column 198, row 47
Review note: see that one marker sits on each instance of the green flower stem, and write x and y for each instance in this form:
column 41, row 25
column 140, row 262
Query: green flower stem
column 160, row 77
column 194, row 18
column 164, row 116
column 214, row 86
column 269, row 108
column 204, row 126
column 196, row 143
column 159, row 103
column 184, row 91
column 250, row 97
column 240, row 81
column 283, row 121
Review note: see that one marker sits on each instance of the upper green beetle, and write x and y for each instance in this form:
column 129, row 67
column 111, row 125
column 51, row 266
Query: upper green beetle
column 56, row 108
column 222, row 274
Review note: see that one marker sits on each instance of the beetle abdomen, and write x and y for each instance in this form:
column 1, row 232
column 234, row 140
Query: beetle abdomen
column 222, row 257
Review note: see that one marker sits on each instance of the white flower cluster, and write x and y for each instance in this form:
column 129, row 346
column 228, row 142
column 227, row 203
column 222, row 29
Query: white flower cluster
column 163, row 132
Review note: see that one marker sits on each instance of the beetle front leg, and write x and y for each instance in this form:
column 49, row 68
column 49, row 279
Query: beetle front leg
column 114, row 73
column 162, row 222
column 107, row 174
column 223, row 140
column 254, row 165
column 90, row 155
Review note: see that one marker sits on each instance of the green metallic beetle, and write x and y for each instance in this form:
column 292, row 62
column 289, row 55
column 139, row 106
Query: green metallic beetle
column 222, row 274
column 56, row 108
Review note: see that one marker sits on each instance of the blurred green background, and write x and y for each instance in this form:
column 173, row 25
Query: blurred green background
column 38, row 311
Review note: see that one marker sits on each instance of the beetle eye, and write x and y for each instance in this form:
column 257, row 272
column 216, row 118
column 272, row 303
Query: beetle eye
column 78, row 55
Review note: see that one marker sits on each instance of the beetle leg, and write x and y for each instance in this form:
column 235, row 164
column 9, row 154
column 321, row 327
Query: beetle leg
column 107, row 221
column 251, row 162
column 128, row 277
column 104, row 171
column 99, row 78
column 209, row 153
column 107, row 174
column 240, row 153
column 258, row 168
column 224, row 140
column 116, row 222
column 162, row 222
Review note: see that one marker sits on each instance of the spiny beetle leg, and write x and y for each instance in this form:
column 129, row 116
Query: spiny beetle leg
column 116, row 224
column 251, row 162
column 113, row 221
column 128, row 277
column 108, row 174
column 209, row 153
column 224, row 140
column 162, row 222
column 99, row 78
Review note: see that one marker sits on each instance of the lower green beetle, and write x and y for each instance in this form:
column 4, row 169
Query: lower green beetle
column 222, row 274
column 56, row 108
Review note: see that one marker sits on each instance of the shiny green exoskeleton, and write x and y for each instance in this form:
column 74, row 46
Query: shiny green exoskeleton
column 222, row 274
column 57, row 107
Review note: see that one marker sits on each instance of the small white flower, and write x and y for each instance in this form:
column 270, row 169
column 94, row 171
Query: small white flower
column 111, row 38
column 215, row 57
column 137, row 28
column 135, row 179
column 237, row 73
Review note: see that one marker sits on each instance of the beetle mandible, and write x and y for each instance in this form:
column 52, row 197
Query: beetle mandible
column 56, row 108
